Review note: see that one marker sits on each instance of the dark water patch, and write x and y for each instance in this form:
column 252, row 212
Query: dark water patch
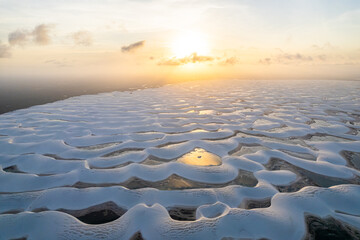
column 112, row 167
column 329, row 228
column 306, row 178
column 235, row 150
column 244, row 178
column 60, row 158
column 176, row 182
column 252, row 203
column 352, row 131
column 232, row 238
column 353, row 158
column 182, row 213
column 355, row 116
column 137, row 236
column 221, row 138
column 290, row 140
column 168, row 144
column 309, row 122
column 151, row 162
column 306, row 156
column 278, row 129
column 250, row 134
column 98, row 214
column 121, row 151
column 13, row 211
column 98, row 146
column 37, row 210
column 13, row 169
column 99, row 217
column 322, row 137
column 329, row 138
column 172, row 182
column 244, row 148
column 346, row 213
column 335, row 112
column 156, row 160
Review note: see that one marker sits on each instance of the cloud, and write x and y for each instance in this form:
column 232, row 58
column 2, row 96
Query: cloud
column 18, row 37
column 293, row 57
column 82, row 38
column 4, row 50
column 266, row 61
column 322, row 57
column 41, row 34
column 132, row 47
column 229, row 61
column 193, row 58
column 288, row 58
column 58, row 63
column 325, row 47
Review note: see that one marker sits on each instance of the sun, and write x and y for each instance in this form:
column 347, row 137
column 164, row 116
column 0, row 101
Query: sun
column 189, row 42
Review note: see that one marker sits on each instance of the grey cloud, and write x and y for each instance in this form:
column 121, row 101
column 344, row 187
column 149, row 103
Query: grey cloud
column 287, row 58
column 293, row 57
column 322, row 57
column 58, row 63
column 132, row 47
column 18, row 37
column 325, row 47
column 266, row 61
column 311, row 59
column 82, row 38
column 4, row 51
column 193, row 58
column 41, row 34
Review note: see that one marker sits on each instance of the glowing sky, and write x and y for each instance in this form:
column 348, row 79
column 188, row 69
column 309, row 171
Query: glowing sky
column 178, row 40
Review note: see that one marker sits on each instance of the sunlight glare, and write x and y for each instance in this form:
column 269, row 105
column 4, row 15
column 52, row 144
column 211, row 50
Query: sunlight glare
column 190, row 42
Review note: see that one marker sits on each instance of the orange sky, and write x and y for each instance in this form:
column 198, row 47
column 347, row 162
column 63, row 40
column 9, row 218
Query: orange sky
column 179, row 40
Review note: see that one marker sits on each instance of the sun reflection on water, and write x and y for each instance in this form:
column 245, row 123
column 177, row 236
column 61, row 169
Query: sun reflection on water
column 200, row 157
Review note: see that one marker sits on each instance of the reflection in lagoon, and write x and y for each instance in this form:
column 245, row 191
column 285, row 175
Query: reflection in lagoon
column 200, row 157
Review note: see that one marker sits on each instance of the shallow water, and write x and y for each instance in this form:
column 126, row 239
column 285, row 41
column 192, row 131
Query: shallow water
column 200, row 157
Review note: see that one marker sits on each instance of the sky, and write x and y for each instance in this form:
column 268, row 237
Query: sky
column 178, row 40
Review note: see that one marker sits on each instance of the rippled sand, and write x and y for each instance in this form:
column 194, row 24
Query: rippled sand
column 197, row 160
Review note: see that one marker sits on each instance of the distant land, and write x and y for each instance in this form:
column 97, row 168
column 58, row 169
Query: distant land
column 19, row 96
